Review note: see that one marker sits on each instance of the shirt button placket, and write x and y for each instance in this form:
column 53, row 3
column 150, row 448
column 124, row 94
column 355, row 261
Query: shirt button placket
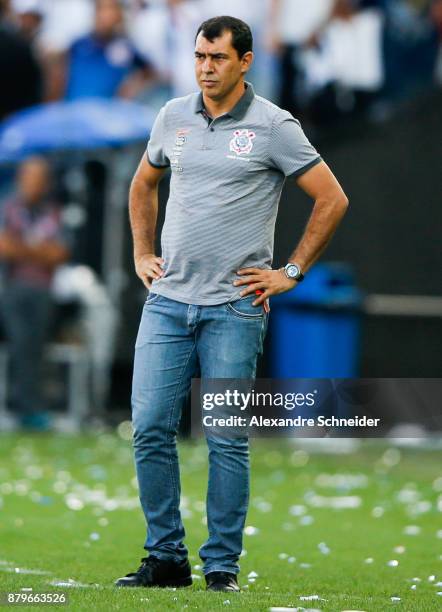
column 209, row 136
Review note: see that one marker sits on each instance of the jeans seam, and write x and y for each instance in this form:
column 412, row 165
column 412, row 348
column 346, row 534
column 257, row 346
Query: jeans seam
column 172, row 412
column 242, row 315
column 265, row 321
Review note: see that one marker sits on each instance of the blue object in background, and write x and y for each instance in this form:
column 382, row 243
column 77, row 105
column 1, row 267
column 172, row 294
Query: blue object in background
column 82, row 124
column 98, row 68
column 315, row 328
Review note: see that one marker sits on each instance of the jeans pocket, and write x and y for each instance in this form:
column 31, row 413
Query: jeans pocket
column 243, row 308
column 152, row 297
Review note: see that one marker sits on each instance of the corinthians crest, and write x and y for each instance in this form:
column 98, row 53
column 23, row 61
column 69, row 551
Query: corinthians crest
column 242, row 142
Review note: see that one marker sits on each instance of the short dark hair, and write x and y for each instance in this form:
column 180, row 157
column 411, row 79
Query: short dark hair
column 242, row 38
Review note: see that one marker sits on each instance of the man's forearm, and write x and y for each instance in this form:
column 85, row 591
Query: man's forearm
column 321, row 226
column 50, row 253
column 143, row 212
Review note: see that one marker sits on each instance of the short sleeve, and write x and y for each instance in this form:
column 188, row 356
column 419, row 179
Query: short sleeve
column 156, row 155
column 290, row 150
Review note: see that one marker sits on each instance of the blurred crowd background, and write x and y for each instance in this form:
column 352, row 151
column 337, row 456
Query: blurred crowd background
column 318, row 58
column 363, row 76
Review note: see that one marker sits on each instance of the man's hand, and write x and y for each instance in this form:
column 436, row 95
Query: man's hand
column 148, row 267
column 269, row 282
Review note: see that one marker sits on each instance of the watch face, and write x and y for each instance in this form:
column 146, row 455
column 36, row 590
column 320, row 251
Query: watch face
column 292, row 271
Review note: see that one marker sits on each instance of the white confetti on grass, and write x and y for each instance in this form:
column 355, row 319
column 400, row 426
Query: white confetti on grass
column 399, row 550
column 377, row 512
column 342, row 481
column 323, row 548
column 24, row 570
column 369, row 560
column 280, row 609
column 408, row 495
column 395, row 599
column 391, row 457
column 393, row 563
column 81, row 496
column 262, row 505
column 252, row 575
column 341, row 502
column 297, row 510
column 412, row 530
column 250, row 530
column 437, row 484
column 74, row 503
column 311, row 598
column 199, row 506
column 73, row 584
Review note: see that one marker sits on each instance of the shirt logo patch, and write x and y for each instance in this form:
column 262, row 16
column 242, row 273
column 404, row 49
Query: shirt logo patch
column 180, row 141
column 242, row 142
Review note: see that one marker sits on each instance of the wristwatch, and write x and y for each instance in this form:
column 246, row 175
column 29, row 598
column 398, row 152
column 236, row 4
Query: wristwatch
column 293, row 272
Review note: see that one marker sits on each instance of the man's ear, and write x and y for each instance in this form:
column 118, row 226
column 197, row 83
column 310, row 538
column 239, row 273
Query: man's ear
column 247, row 60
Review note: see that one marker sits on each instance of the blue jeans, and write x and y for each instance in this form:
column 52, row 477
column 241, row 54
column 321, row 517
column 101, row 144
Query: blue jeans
column 173, row 339
column 26, row 312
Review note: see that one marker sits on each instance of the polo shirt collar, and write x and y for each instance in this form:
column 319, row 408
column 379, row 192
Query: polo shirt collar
column 240, row 108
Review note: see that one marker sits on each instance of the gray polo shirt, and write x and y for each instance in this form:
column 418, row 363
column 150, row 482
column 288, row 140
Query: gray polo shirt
column 226, row 181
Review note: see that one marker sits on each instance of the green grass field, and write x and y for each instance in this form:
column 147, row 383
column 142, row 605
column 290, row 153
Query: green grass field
column 69, row 512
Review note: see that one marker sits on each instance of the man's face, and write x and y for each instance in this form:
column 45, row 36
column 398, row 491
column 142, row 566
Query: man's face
column 29, row 23
column 108, row 17
column 33, row 180
column 217, row 65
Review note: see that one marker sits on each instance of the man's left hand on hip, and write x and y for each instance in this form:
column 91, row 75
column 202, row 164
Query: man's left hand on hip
column 268, row 282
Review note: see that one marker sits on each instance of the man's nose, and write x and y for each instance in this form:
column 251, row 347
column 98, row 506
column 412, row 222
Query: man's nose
column 208, row 65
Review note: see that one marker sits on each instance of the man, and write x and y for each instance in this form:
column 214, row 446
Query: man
column 20, row 72
column 31, row 247
column 229, row 152
column 101, row 64
column 291, row 26
column 30, row 15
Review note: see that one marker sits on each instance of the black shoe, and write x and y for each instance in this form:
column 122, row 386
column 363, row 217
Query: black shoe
column 221, row 581
column 154, row 572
